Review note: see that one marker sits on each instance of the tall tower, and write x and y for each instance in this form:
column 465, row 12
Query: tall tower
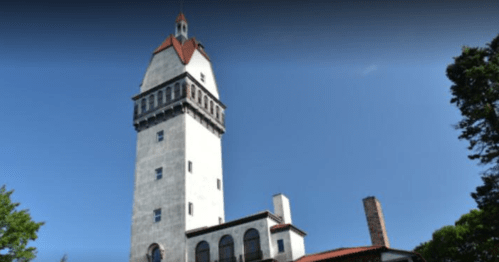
column 179, row 121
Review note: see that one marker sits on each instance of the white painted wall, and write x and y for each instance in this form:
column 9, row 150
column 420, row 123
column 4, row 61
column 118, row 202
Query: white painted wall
column 297, row 245
column 199, row 64
column 237, row 233
column 204, row 149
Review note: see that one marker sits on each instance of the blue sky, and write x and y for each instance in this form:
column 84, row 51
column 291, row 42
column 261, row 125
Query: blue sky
column 327, row 102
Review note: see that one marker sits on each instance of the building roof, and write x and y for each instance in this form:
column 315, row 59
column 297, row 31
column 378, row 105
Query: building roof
column 343, row 252
column 205, row 230
column 284, row 227
column 184, row 51
column 180, row 17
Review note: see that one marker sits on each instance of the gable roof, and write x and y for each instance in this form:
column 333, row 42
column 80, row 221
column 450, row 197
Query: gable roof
column 184, row 51
column 343, row 252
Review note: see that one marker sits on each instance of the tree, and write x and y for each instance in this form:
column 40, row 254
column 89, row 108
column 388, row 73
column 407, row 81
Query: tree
column 64, row 258
column 16, row 229
column 487, row 199
column 475, row 91
column 459, row 243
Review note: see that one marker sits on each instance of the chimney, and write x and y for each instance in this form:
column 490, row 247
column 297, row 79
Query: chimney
column 281, row 208
column 375, row 222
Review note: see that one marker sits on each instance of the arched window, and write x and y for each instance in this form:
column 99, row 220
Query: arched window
column 252, row 250
column 183, row 28
column 178, row 28
column 160, row 98
column 218, row 112
column 193, row 92
column 211, row 107
column 226, row 249
column 168, row 94
column 205, row 102
column 143, row 106
column 156, row 255
column 203, row 252
column 151, row 102
column 177, row 91
column 200, row 97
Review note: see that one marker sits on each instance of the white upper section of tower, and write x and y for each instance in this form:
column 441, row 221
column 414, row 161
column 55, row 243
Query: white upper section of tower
column 177, row 55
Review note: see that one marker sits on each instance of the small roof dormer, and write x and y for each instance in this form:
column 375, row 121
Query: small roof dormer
column 181, row 28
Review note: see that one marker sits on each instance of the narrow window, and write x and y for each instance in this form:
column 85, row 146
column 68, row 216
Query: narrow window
column 157, row 215
column 159, row 173
column 217, row 112
column 219, row 184
column 200, row 97
column 183, row 28
column 151, row 102
column 143, row 106
column 168, row 94
column 202, row 77
column 223, row 118
column 220, row 220
column 156, row 255
column 193, row 92
column 136, row 110
column 205, row 102
column 178, row 28
column 211, row 107
column 177, row 91
column 160, row 136
column 191, row 209
column 160, row 98
column 280, row 244
column 190, row 167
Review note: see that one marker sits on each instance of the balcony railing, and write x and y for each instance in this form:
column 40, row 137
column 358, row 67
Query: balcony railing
column 253, row 256
column 230, row 259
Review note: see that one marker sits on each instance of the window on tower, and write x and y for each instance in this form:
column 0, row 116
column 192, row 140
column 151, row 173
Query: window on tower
column 160, row 98
column 190, row 167
column 191, row 209
column 217, row 112
column 220, row 220
column 211, row 107
column 151, row 102
column 143, row 106
column 205, row 102
column 200, row 97
column 193, row 92
column 157, row 215
column 202, row 77
column 219, row 184
column 177, row 91
column 160, row 136
column 168, row 94
column 159, row 173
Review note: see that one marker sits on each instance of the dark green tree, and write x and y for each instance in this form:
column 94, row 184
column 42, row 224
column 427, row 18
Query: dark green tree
column 459, row 243
column 16, row 229
column 487, row 199
column 475, row 91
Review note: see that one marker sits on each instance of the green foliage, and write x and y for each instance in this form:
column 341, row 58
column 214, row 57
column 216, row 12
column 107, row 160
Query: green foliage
column 16, row 229
column 487, row 199
column 475, row 91
column 64, row 258
column 460, row 243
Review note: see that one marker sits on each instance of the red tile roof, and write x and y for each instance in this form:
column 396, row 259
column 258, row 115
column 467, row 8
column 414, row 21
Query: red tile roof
column 184, row 51
column 337, row 253
column 284, row 227
column 180, row 17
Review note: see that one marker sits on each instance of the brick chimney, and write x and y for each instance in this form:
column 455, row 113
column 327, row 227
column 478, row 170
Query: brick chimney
column 375, row 222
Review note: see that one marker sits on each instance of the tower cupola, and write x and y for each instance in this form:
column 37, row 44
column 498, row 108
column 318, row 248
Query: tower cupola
column 181, row 28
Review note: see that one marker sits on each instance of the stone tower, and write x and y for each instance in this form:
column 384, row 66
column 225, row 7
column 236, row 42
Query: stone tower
column 375, row 222
column 179, row 121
